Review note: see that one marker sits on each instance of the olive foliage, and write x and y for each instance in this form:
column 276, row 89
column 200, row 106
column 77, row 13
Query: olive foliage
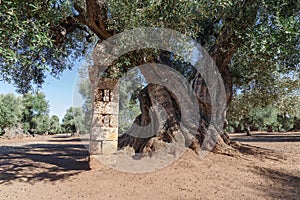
column 255, row 43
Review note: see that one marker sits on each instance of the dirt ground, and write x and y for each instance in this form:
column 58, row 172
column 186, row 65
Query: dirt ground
column 55, row 167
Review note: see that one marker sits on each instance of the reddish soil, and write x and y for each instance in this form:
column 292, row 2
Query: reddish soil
column 56, row 167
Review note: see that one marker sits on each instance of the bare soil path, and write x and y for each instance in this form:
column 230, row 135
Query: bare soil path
column 55, row 167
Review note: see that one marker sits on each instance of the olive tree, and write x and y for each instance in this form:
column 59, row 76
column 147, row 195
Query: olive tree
column 252, row 42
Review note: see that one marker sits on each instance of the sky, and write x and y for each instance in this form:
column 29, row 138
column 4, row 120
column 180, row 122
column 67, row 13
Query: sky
column 60, row 93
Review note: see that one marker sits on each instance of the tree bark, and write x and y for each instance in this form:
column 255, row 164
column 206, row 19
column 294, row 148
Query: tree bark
column 155, row 98
column 224, row 49
column 164, row 126
column 93, row 14
column 248, row 131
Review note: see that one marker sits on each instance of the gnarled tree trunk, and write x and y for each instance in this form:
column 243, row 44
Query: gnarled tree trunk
column 161, row 115
column 159, row 104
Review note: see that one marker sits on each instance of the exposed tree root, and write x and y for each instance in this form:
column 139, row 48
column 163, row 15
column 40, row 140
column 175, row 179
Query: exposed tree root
column 149, row 136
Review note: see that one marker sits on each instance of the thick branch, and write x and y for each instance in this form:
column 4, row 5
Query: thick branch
column 222, row 52
column 95, row 17
column 228, row 41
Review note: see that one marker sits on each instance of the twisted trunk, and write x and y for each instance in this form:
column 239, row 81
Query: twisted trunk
column 222, row 52
column 164, row 125
column 154, row 98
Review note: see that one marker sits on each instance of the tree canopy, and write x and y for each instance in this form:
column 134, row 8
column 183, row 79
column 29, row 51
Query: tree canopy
column 10, row 111
column 73, row 121
column 38, row 38
column 254, row 43
column 35, row 113
column 29, row 113
column 34, row 43
column 54, row 126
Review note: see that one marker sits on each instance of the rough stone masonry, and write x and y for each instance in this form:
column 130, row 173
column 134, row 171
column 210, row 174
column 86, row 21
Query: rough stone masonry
column 104, row 130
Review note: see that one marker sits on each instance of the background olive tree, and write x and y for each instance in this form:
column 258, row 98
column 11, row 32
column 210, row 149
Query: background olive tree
column 10, row 111
column 28, row 113
column 73, row 121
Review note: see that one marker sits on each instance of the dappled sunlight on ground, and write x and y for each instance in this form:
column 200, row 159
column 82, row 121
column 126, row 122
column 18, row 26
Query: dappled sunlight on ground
column 56, row 167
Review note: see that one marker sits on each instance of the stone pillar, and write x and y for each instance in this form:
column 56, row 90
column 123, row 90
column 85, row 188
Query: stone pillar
column 104, row 130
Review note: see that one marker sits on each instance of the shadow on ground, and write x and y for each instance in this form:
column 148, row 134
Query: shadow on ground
column 279, row 184
column 263, row 137
column 70, row 140
column 42, row 161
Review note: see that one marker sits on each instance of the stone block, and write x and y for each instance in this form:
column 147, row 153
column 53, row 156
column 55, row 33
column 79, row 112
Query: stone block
column 114, row 96
column 106, row 95
column 107, row 83
column 109, row 147
column 95, row 147
column 114, row 121
column 105, row 108
column 110, row 133
column 104, row 133
column 104, row 121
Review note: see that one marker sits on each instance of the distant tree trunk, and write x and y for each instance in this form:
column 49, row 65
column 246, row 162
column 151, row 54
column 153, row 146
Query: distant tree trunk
column 238, row 129
column 248, row 131
column 296, row 125
column 269, row 128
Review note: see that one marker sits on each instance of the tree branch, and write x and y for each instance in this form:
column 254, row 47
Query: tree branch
column 228, row 41
column 96, row 12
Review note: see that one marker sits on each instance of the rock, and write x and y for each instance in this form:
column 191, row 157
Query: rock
column 14, row 132
column 127, row 151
